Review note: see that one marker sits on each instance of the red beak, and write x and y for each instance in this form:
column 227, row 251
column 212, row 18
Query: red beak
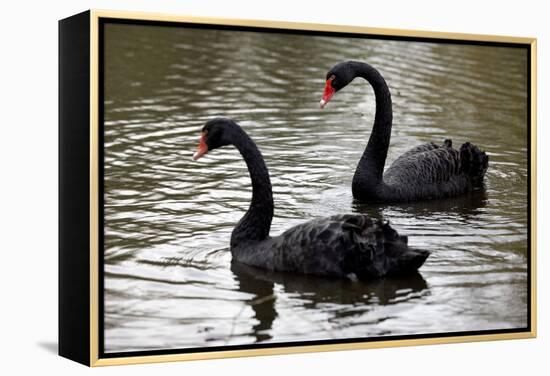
column 328, row 93
column 202, row 149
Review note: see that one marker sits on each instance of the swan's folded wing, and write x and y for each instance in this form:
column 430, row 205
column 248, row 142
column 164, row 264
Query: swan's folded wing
column 438, row 165
column 342, row 245
column 316, row 247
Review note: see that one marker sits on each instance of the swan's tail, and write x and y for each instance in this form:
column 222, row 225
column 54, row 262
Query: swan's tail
column 402, row 259
column 382, row 251
column 474, row 162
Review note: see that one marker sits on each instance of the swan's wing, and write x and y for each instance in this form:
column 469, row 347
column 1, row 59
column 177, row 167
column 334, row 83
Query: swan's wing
column 437, row 165
column 343, row 245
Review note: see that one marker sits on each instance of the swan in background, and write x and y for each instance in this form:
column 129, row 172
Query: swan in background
column 424, row 172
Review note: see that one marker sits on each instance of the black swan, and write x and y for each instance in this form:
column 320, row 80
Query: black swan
column 427, row 171
column 352, row 246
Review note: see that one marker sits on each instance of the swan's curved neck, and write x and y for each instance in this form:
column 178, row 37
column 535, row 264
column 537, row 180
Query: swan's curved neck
column 255, row 224
column 371, row 166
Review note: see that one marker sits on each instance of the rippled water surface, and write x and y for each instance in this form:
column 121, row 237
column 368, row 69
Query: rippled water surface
column 169, row 282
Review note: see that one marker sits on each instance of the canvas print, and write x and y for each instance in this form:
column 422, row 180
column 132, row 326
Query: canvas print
column 269, row 187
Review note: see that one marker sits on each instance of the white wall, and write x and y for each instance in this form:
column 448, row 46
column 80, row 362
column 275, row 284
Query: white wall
column 28, row 158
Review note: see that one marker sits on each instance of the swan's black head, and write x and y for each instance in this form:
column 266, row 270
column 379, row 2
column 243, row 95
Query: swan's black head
column 215, row 133
column 337, row 78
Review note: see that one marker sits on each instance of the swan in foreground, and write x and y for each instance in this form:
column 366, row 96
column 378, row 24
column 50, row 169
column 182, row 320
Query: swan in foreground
column 344, row 245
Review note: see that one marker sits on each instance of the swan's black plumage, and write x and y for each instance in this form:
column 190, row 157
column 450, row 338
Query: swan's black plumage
column 427, row 171
column 337, row 246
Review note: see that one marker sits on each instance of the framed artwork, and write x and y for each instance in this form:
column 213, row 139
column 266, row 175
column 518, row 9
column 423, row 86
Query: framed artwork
column 236, row 187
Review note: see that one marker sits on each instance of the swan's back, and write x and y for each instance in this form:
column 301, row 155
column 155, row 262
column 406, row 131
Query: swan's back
column 353, row 246
column 434, row 171
column 421, row 149
column 434, row 165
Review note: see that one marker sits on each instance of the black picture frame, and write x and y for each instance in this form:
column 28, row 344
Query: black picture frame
column 81, row 115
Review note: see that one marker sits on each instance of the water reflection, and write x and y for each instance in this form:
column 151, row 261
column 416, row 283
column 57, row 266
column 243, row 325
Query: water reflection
column 464, row 207
column 169, row 281
column 319, row 293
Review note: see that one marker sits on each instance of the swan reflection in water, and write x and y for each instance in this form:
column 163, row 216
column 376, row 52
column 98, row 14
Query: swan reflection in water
column 464, row 208
column 312, row 292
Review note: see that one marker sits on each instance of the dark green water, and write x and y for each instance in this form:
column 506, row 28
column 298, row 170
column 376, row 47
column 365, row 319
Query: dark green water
column 168, row 278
